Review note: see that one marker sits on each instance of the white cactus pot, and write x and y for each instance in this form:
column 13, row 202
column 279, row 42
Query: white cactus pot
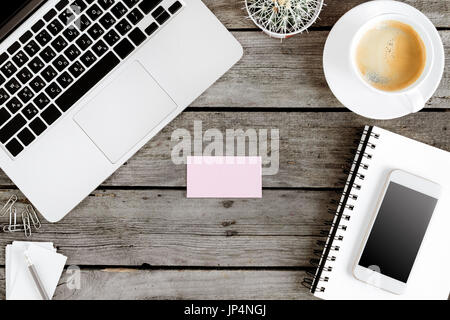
column 268, row 15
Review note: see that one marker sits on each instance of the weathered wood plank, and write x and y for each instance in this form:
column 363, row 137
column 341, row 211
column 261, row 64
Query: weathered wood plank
column 113, row 284
column 232, row 12
column 188, row 284
column 314, row 147
column 164, row 228
column 288, row 74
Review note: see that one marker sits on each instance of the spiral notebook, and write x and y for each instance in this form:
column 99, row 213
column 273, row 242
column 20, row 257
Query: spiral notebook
column 379, row 152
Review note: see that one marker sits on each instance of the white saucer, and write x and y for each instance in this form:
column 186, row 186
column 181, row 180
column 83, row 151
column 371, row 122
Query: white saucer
column 346, row 86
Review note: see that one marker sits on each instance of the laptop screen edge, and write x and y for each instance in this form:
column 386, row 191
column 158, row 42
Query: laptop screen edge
column 18, row 18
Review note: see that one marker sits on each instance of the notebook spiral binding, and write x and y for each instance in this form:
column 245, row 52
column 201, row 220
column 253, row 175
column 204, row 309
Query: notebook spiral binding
column 327, row 253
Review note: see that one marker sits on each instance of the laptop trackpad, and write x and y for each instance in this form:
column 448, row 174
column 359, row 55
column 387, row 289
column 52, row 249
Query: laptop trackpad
column 125, row 111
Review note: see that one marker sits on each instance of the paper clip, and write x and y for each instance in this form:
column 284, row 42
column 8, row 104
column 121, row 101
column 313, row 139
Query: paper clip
column 14, row 226
column 33, row 216
column 8, row 205
column 26, row 224
column 29, row 217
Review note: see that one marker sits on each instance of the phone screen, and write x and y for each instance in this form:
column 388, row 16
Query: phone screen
column 397, row 232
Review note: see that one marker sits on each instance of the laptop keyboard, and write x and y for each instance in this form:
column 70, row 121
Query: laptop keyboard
column 66, row 53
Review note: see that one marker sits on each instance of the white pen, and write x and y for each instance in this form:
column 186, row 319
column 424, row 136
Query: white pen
column 36, row 278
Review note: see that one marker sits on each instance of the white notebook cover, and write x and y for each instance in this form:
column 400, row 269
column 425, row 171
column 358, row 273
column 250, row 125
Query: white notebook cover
column 430, row 276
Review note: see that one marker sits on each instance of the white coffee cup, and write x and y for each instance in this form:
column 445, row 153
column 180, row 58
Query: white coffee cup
column 414, row 98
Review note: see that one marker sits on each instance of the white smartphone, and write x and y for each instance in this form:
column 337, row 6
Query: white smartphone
column 396, row 231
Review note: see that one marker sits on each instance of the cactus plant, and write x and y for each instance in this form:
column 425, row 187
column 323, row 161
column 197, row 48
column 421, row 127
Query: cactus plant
column 282, row 18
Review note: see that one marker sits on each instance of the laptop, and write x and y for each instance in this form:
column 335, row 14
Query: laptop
column 84, row 84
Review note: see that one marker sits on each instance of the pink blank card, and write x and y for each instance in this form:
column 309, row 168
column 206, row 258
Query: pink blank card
column 224, row 177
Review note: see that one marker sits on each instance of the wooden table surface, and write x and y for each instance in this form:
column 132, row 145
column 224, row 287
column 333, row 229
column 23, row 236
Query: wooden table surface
column 138, row 237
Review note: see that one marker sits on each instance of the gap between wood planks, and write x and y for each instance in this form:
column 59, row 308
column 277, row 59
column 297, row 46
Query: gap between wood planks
column 147, row 267
column 180, row 188
column 285, row 109
column 311, row 29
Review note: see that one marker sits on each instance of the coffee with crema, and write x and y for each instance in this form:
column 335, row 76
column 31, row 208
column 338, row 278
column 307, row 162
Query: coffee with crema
column 391, row 56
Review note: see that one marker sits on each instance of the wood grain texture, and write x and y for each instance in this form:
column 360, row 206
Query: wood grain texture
column 187, row 284
column 314, row 147
column 164, row 228
column 233, row 14
column 289, row 74
column 124, row 283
